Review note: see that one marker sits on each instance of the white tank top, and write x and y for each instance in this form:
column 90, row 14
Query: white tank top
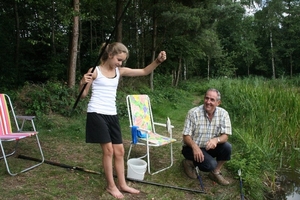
column 104, row 91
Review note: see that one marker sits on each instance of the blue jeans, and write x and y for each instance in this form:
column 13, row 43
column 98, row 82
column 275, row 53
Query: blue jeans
column 221, row 153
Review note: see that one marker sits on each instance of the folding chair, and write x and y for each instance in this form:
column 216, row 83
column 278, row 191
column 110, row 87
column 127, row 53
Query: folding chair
column 7, row 134
column 143, row 128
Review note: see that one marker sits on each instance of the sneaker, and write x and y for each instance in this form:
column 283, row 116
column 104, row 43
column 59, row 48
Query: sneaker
column 218, row 178
column 189, row 168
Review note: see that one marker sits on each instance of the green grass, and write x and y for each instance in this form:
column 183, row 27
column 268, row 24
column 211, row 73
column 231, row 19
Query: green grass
column 264, row 116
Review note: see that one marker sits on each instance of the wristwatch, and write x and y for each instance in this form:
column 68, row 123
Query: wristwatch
column 219, row 140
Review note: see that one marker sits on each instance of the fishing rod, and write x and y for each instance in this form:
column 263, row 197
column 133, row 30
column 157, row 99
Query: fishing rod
column 102, row 51
column 98, row 173
column 60, row 165
column 241, row 184
column 168, row 186
column 199, row 177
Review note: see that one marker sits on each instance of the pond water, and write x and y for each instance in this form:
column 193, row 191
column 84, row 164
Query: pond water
column 290, row 183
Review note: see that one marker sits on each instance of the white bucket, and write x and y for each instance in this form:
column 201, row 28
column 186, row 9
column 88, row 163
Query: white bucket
column 136, row 168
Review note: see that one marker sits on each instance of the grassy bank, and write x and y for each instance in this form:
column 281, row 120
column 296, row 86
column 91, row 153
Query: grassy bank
column 264, row 116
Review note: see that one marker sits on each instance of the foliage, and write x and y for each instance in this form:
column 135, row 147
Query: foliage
column 35, row 37
column 44, row 99
column 256, row 106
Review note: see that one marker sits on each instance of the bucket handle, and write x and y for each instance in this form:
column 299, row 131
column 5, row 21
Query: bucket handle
column 138, row 172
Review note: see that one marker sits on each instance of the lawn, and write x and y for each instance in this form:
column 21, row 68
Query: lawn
column 63, row 141
column 260, row 139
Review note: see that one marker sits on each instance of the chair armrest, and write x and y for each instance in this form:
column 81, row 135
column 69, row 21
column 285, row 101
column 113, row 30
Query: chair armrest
column 166, row 125
column 144, row 130
column 161, row 124
column 25, row 117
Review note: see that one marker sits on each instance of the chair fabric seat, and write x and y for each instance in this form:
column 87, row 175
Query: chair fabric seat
column 17, row 136
column 157, row 139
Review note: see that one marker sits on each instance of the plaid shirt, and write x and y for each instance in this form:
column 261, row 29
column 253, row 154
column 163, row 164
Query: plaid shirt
column 198, row 126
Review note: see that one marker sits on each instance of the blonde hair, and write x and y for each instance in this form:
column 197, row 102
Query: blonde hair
column 113, row 49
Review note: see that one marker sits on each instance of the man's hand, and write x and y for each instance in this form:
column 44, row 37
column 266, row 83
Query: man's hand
column 211, row 144
column 198, row 155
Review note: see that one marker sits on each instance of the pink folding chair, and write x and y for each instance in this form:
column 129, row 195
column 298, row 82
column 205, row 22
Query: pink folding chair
column 8, row 135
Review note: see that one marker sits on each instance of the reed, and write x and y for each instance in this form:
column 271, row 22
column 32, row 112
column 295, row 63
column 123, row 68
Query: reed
column 264, row 115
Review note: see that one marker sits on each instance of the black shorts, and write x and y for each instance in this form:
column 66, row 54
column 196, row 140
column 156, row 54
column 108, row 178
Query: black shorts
column 103, row 129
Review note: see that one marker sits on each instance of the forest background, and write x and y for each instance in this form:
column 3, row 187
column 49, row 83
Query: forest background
column 60, row 39
column 46, row 47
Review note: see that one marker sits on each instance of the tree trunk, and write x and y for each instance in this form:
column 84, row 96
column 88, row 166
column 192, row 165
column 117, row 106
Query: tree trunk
column 74, row 45
column 137, row 19
column 248, row 65
column 154, row 36
column 291, row 65
column 53, row 29
column 248, row 70
column 143, row 44
column 79, row 47
column 173, row 77
column 91, row 39
column 272, row 55
column 208, row 66
column 119, row 10
column 17, row 47
column 184, row 70
column 178, row 71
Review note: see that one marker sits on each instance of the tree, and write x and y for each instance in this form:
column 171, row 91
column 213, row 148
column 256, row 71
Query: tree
column 181, row 30
column 211, row 47
column 154, row 38
column 291, row 29
column 74, row 45
column 270, row 19
column 37, row 38
column 119, row 10
column 247, row 47
column 17, row 36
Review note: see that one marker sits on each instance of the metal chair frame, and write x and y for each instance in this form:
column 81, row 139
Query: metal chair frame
column 147, row 141
column 7, row 135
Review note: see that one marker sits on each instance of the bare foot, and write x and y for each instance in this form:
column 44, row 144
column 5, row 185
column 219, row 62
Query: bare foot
column 129, row 190
column 115, row 192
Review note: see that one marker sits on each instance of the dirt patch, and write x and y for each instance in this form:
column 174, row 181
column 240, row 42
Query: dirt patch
column 197, row 100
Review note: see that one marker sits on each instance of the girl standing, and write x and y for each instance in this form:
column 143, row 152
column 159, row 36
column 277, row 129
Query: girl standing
column 102, row 124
